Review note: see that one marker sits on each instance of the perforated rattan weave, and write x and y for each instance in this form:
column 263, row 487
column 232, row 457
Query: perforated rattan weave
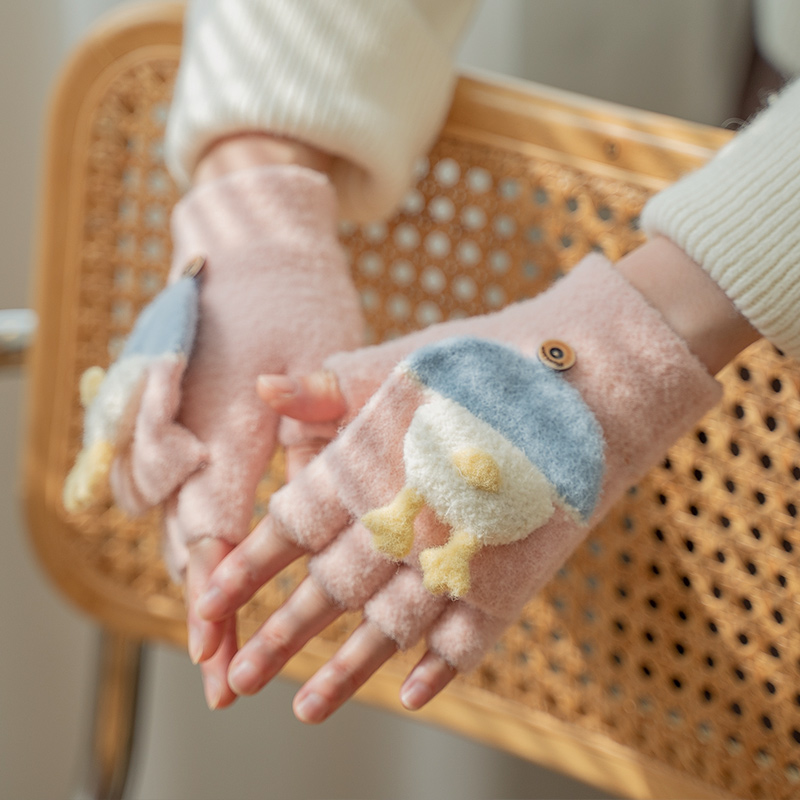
column 673, row 631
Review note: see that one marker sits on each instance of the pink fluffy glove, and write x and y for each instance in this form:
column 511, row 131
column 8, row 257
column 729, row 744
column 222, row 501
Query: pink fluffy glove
column 487, row 455
column 275, row 296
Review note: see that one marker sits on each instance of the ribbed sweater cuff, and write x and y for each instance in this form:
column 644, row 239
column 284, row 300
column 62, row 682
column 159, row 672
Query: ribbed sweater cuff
column 739, row 218
column 369, row 82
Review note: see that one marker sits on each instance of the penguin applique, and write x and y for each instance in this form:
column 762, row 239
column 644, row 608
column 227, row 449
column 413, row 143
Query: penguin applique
column 500, row 442
column 158, row 348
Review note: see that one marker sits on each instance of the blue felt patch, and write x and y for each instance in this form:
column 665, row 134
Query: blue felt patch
column 530, row 404
column 168, row 323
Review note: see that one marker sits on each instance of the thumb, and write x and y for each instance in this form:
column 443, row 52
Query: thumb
column 310, row 398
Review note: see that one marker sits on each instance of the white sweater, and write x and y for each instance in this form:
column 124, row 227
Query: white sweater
column 370, row 81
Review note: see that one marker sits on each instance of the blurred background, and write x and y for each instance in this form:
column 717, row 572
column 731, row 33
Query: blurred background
column 669, row 57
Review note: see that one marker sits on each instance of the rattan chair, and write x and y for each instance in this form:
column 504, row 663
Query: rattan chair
column 664, row 658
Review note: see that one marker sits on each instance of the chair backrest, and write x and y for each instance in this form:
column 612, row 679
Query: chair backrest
column 664, row 659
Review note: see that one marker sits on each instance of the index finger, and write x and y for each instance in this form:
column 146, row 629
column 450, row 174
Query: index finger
column 258, row 559
column 212, row 643
column 204, row 556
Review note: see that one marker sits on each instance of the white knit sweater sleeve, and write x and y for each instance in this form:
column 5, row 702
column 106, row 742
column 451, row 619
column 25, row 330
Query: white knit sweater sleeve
column 739, row 218
column 367, row 80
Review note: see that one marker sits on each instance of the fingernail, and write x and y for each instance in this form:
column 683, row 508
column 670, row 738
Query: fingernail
column 211, row 603
column 213, row 692
column 312, row 708
column 415, row 695
column 195, row 644
column 278, row 386
column 243, row 676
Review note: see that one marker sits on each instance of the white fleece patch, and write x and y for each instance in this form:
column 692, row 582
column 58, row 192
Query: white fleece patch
column 114, row 406
column 525, row 499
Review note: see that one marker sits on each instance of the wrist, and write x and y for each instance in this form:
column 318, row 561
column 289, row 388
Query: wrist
column 691, row 302
column 242, row 213
column 246, row 150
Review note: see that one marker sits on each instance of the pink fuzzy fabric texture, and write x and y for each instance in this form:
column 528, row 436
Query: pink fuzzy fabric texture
column 638, row 377
column 143, row 481
column 275, row 297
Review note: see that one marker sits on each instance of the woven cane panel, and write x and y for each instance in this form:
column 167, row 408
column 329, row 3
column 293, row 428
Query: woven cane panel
column 124, row 258
column 673, row 629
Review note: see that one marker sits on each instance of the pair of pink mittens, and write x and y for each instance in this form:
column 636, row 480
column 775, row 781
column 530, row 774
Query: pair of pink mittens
column 477, row 453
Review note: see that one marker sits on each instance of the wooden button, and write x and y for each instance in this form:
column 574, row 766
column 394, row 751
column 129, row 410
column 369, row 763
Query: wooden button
column 192, row 269
column 557, row 355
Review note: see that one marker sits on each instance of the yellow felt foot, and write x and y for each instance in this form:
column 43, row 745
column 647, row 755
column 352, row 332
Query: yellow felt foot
column 90, row 384
column 87, row 482
column 445, row 569
column 392, row 526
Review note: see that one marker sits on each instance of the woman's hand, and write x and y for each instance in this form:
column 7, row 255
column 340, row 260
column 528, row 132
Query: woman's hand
column 363, row 470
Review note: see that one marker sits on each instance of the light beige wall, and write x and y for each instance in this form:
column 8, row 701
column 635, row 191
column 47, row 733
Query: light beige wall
column 687, row 58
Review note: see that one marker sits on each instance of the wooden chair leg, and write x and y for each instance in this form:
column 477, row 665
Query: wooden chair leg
column 108, row 748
